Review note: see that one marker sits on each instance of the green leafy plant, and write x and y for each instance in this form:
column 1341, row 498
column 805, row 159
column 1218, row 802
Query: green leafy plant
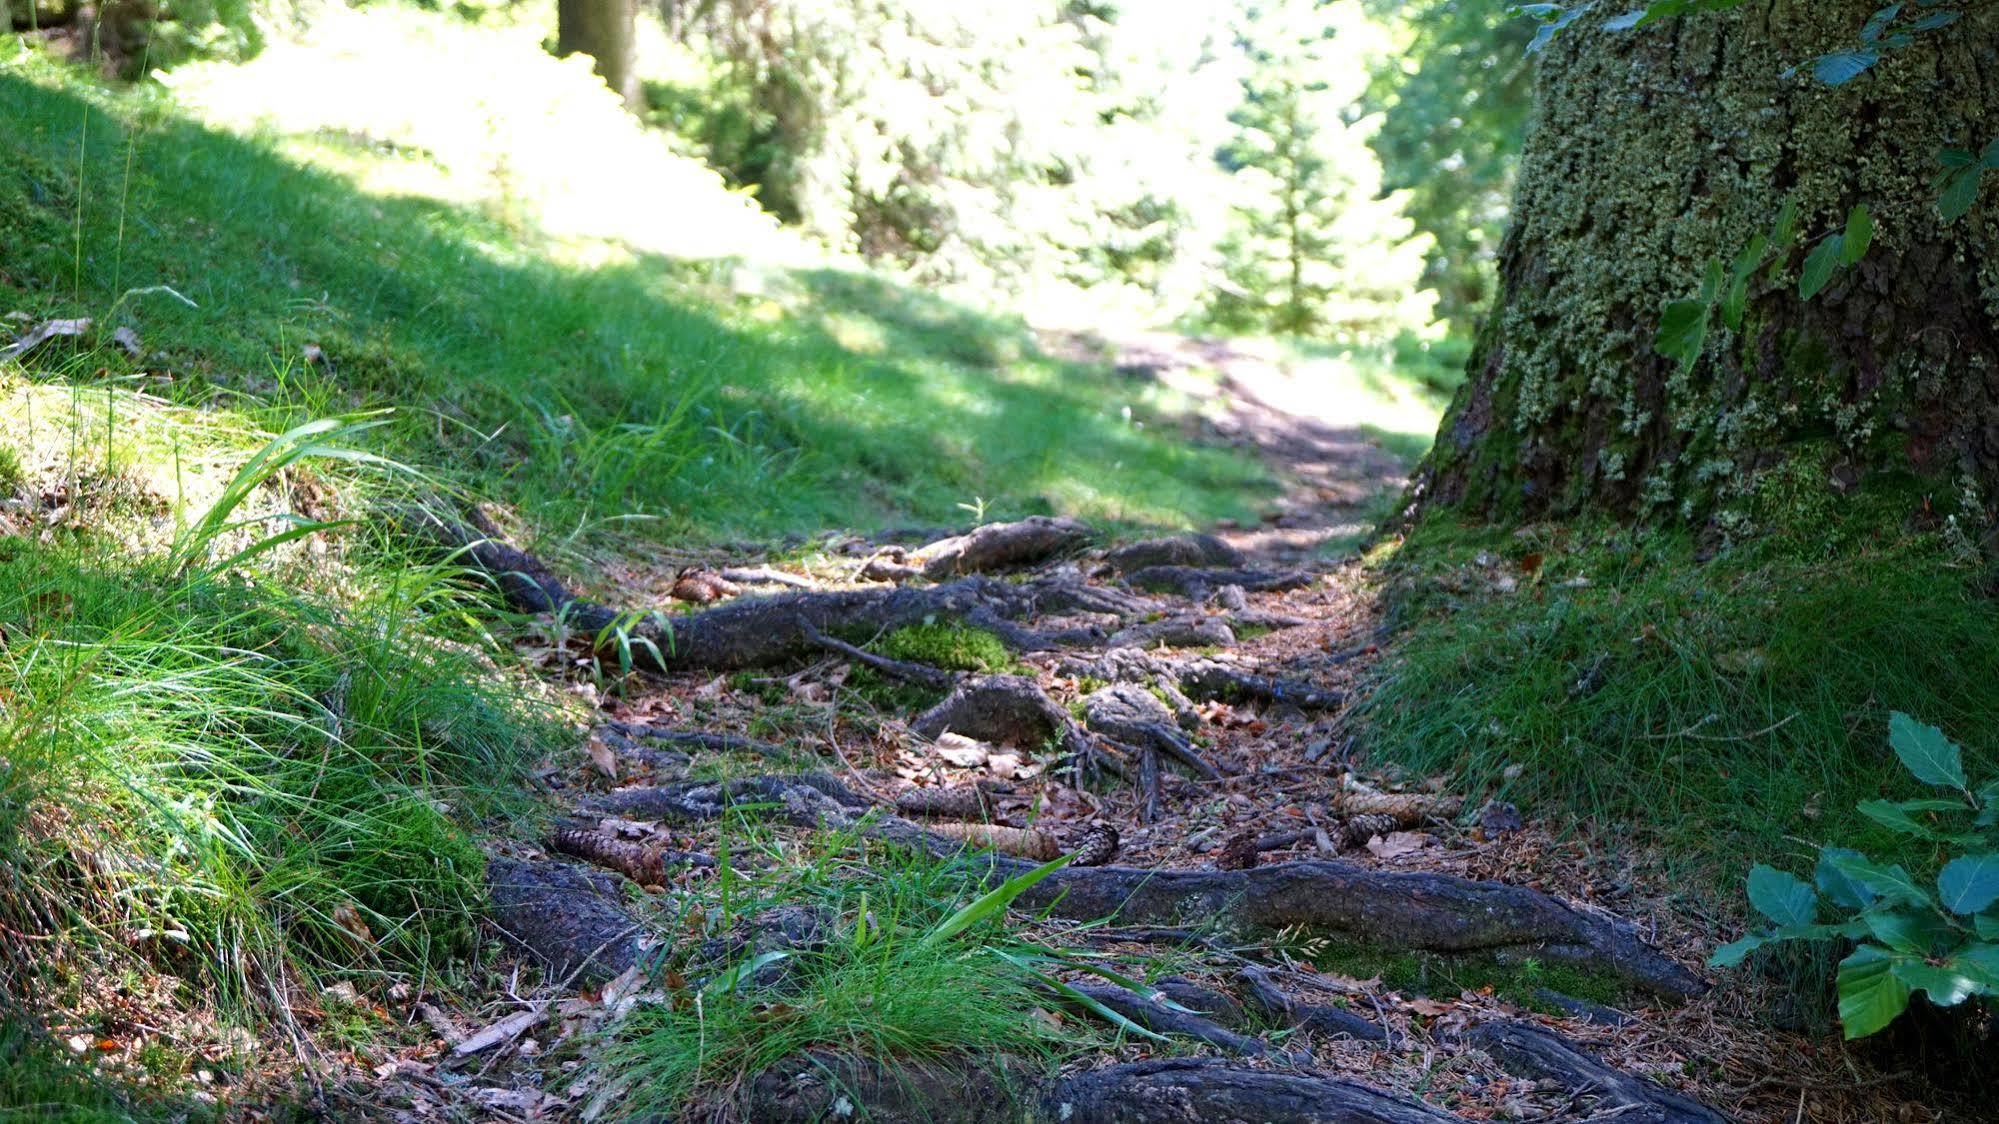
column 1939, row 935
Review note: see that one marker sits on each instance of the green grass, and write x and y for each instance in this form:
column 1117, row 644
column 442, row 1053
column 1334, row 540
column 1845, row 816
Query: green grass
column 581, row 379
column 1733, row 710
column 896, row 978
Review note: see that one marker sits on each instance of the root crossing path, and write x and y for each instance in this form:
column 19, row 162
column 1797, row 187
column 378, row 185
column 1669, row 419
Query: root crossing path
column 1168, row 714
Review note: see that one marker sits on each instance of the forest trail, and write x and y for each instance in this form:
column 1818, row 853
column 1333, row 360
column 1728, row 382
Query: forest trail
column 1336, row 477
column 1174, row 709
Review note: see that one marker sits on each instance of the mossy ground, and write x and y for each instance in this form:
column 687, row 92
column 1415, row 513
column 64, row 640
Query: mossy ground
column 1732, row 708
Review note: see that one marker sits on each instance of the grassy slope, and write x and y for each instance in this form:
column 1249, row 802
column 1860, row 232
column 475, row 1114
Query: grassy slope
column 1734, row 710
column 578, row 379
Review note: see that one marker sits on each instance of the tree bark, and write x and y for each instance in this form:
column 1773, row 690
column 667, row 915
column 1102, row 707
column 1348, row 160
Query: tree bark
column 602, row 29
column 1655, row 152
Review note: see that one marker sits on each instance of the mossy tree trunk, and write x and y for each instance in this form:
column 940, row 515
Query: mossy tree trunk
column 602, row 29
column 1654, row 152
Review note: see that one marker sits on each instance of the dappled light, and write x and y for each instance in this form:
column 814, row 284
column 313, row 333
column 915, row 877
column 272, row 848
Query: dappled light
column 1063, row 561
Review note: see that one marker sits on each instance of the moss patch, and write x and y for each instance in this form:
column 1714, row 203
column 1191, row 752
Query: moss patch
column 948, row 645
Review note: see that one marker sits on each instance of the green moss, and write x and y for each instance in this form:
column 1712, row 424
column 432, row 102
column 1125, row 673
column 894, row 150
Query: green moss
column 12, row 475
column 1426, row 973
column 947, row 645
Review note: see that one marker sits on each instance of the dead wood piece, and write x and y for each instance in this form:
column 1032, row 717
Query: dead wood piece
column 1212, row 679
column 1004, row 710
column 1204, row 551
column 1177, row 632
column 1131, row 714
column 1001, row 546
column 1407, row 809
column 646, row 865
column 764, row 575
column 958, row 802
column 1531, row 1051
column 895, row 669
column 1197, row 1090
column 1195, row 582
column 571, row 919
column 1160, row 1019
column 1266, row 997
column 1026, row 843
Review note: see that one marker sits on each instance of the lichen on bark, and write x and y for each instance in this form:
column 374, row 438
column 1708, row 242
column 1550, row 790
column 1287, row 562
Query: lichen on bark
column 1653, row 152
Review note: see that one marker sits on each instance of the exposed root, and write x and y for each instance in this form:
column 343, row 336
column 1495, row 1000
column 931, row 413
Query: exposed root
column 1195, row 583
column 701, row 739
column 1429, row 912
column 1002, row 546
column 1131, row 715
column 1530, row 1051
column 571, row 919
column 1177, row 632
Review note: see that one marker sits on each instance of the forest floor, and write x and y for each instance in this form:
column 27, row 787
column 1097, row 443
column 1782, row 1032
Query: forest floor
column 716, row 788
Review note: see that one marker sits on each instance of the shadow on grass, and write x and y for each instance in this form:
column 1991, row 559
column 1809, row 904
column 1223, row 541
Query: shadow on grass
column 645, row 386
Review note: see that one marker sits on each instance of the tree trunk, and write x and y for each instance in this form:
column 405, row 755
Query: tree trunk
column 602, row 29
column 1654, row 152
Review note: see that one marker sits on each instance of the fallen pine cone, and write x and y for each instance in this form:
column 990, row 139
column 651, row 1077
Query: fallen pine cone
column 639, row 862
column 1410, row 809
column 1239, row 851
column 1098, row 846
column 700, row 585
column 952, row 802
column 1026, row 843
column 1357, row 830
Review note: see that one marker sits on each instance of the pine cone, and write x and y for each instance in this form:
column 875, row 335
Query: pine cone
column 1098, row 846
column 953, row 802
column 1410, row 809
column 1357, row 830
column 1031, row 843
column 639, row 863
column 700, row 585
column 1239, row 852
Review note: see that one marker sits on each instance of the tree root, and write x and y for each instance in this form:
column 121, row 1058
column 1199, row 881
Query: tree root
column 894, row 669
column 571, row 919
column 1201, row 679
column 1271, row 1001
column 1530, row 1051
column 1002, row 546
column 1428, row 912
column 1131, row 715
column 699, row 739
column 1196, row 583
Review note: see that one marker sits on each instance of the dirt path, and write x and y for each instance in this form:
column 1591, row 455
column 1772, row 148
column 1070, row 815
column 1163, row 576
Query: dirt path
column 1336, row 478
column 1178, row 709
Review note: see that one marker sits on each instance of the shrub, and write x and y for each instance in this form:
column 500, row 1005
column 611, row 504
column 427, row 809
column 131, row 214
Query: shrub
column 1935, row 933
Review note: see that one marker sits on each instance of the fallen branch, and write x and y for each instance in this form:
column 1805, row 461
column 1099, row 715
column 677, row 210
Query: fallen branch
column 1263, row 994
column 764, row 575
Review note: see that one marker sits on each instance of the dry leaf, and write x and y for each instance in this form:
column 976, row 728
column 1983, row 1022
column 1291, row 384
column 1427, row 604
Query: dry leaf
column 962, row 751
column 506, row 1030
column 603, row 757
column 349, row 918
column 1398, row 844
column 46, row 331
column 1427, row 1007
column 1003, row 765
